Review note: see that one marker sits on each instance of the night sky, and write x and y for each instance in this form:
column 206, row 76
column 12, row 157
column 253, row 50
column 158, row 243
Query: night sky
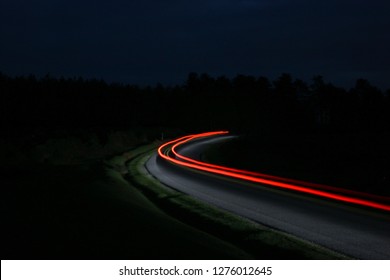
column 146, row 42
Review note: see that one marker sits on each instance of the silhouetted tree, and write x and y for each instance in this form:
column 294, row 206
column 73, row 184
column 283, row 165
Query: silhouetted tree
column 284, row 86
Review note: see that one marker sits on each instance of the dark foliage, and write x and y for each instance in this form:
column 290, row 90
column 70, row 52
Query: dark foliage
column 244, row 104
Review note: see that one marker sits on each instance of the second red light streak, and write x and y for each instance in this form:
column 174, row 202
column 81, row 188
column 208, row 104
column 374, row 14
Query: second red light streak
column 329, row 192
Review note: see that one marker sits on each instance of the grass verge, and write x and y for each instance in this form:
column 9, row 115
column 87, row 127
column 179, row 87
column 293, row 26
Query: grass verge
column 88, row 211
column 258, row 241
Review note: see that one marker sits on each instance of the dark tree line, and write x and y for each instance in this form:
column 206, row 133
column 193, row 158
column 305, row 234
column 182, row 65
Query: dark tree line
column 244, row 104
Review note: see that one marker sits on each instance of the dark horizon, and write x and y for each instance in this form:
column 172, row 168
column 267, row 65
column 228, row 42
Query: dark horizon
column 307, row 82
column 150, row 42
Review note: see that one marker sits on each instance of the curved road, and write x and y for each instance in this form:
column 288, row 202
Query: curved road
column 357, row 232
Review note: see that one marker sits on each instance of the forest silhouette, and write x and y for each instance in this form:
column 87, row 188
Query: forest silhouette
column 316, row 132
column 244, row 104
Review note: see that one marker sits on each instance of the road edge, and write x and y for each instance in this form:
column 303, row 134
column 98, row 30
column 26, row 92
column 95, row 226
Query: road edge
column 252, row 237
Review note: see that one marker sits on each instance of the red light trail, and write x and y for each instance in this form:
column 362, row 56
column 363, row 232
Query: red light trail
column 329, row 192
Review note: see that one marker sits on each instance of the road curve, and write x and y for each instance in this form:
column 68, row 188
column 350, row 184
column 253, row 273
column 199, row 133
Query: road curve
column 354, row 231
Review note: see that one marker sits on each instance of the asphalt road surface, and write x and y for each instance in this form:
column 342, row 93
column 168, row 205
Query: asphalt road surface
column 354, row 231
